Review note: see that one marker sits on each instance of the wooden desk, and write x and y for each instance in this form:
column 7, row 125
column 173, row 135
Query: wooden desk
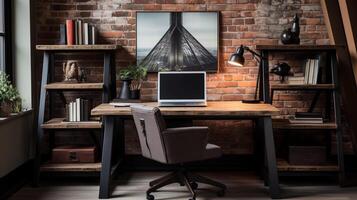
column 217, row 110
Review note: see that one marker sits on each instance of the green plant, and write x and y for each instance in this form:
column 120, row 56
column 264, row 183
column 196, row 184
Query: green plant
column 126, row 74
column 134, row 73
column 139, row 75
column 8, row 93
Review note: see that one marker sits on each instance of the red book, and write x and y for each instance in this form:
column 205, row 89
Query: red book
column 70, row 32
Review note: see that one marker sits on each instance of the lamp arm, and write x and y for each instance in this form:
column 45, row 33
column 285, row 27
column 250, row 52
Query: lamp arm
column 254, row 53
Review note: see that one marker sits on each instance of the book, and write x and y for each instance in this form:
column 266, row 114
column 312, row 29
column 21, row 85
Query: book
column 78, row 109
column 85, row 110
column 85, row 33
column 70, row 111
column 307, row 71
column 293, row 80
column 308, row 114
column 80, row 32
column 75, row 32
column 306, row 120
column 70, row 32
column 63, row 39
column 89, row 34
column 316, row 71
column 311, row 71
column 93, row 35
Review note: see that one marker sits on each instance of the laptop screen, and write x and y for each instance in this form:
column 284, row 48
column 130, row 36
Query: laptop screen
column 182, row 86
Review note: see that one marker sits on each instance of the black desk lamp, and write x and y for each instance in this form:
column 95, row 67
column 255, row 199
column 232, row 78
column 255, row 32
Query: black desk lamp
column 237, row 59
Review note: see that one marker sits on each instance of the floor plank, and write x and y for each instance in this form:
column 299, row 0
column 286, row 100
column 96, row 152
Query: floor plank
column 132, row 186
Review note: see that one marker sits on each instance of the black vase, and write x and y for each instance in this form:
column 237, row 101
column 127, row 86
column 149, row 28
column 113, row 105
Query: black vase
column 125, row 90
column 287, row 37
column 134, row 94
column 292, row 35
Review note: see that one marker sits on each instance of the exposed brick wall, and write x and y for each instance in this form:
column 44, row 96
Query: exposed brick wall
column 247, row 22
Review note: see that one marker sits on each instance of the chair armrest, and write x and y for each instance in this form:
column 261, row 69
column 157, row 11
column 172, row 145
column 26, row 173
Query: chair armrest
column 185, row 144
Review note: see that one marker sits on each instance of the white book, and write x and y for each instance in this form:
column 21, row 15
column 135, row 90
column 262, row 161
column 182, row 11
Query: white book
column 85, row 33
column 70, row 114
column 74, row 111
column 78, row 109
column 80, row 32
column 316, row 71
column 307, row 70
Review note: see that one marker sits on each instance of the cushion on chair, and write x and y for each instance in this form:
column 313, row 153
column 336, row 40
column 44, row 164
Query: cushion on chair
column 213, row 151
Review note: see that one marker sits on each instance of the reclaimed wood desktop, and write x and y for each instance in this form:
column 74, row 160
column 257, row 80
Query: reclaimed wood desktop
column 215, row 110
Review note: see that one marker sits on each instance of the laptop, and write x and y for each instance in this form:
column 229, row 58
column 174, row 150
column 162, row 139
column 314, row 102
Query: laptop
column 182, row 88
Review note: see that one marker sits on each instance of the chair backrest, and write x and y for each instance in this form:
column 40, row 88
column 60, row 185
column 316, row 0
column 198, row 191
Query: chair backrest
column 150, row 124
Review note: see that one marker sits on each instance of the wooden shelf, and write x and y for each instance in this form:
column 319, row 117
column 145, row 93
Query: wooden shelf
column 285, row 124
column 303, row 87
column 71, row 167
column 284, row 166
column 59, row 123
column 295, row 47
column 96, row 47
column 74, row 86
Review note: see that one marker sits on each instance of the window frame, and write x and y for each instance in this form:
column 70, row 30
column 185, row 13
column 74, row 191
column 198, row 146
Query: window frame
column 8, row 38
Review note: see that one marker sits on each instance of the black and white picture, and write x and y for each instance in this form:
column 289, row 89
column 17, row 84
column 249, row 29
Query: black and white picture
column 177, row 41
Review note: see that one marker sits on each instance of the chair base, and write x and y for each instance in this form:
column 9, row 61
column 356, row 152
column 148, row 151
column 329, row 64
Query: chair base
column 184, row 178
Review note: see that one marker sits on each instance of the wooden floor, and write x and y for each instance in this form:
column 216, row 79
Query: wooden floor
column 132, row 186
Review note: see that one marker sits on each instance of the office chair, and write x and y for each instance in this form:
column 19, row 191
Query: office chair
column 175, row 146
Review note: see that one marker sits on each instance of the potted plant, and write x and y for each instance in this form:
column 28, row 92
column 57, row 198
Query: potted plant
column 132, row 78
column 125, row 75
column 10, row 101
column 138, row 74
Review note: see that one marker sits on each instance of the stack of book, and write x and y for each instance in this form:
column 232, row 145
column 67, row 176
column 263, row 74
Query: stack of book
column 297, row 79
column 309, row 77
column 77, row 110
column 307, row 118
column 76, row 32
column 311, row 71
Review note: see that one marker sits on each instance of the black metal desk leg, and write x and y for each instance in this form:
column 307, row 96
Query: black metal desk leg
column 273, row 179
column 105, row 174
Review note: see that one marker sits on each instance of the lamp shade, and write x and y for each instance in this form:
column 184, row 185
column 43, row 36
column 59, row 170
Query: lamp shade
column 237, row 59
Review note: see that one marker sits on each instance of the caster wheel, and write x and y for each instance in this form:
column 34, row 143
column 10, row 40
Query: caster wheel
column 221, row 193
column 194, row 185
column 150, row 197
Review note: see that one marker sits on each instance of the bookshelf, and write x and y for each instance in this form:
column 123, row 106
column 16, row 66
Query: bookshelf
column 74, row 86
column 50, row 125
column 331, row 119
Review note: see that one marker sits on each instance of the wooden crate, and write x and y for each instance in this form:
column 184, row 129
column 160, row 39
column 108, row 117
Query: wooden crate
column 307, row 155
column 74, row 154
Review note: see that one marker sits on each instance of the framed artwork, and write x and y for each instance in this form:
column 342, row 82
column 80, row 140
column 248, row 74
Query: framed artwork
column 177, row 41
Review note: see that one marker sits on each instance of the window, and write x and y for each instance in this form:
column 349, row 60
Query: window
column 5, row 36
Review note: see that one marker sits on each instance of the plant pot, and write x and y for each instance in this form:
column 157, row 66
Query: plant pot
column 134, row 94
column 125, row 90
column 5, row 108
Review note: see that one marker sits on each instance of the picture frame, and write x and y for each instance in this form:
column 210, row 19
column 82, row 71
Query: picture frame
column 177, row 41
